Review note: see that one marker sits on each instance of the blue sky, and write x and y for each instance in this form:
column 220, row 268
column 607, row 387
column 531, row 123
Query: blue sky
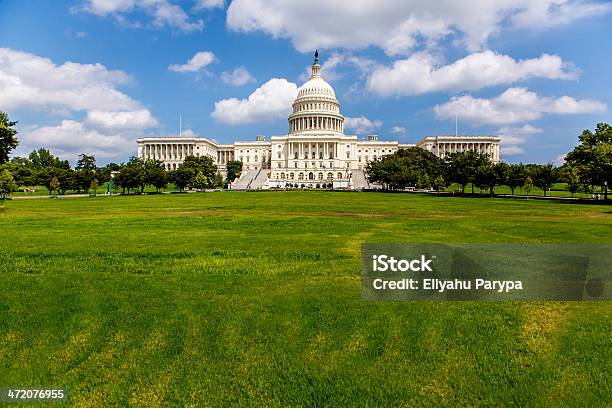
column 91, row 76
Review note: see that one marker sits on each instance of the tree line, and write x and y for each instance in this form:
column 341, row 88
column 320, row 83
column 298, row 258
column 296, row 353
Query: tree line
column 587, row 167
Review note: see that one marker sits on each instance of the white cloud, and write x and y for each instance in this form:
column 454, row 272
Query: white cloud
column 399, row 130
column 71, row 138
column 238, row 77
column 163, row 12
column 209, row 4
column 512, row 138
column 198, row 62
column 270, row 101
column 112, row 122
column 30, row 81
column 126, row 120
column 515, row 105
column 362, row 125
column 422, row 73
column 398, row 26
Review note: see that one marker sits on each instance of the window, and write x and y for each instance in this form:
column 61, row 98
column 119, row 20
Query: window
column 330, row 176
column 339, row 175
column 301, row 176
column 295, row 155
column 282, row 176
column 311, row 176
column 255, row 158
column 279, row 154
column 359, row 159
column 291, row 176
column 295, row 165
column 320, row 176
column 348, row 155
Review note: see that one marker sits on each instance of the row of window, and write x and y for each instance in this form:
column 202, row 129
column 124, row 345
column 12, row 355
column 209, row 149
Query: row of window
column 311, row 176
column 315, row 106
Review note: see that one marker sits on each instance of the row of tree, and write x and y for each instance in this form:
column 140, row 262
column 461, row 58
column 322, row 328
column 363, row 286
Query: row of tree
column 587, row 167
column 196, row 172
column 419, row 168
column 42, row 168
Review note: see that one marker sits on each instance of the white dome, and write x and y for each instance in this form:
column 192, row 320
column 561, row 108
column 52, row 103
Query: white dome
column 315, row 87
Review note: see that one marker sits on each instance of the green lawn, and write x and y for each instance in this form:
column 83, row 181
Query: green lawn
column 253, row 299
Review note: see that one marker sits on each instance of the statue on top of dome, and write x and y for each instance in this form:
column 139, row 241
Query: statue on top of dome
column 316, row 56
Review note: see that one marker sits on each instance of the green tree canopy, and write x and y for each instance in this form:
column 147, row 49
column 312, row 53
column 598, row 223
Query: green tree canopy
column 234, row 168
column 7, row 183
column 592, row 158
column 8, row 139
column 412, row 167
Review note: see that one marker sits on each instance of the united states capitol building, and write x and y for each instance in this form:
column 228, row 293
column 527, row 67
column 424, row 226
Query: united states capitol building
column 316, row 153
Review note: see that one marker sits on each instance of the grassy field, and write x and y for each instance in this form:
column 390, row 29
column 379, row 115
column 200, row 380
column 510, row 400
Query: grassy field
column 253, row 299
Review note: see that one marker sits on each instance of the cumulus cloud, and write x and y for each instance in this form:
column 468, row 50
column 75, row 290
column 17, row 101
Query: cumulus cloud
column 362, row 125
column 238, row 77
column 30, row 81
column 399, row 130
column 513, row 138
column 163, row 13
column 197, row 63
column 398, row 26
column 423, row 73
column 71, row 138
column 270, row 101
column 126, row 120
column 515, row 105
column 112, row 121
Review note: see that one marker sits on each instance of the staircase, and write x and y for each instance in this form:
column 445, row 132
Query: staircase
column 259, row 180
column 245, row 180
column 359, row 179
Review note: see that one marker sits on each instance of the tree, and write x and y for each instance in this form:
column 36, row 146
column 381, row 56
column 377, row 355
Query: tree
column 545, row 176
column 94, row 186
column 7, row 183
column 131, row 175
column 200, row 181
column 592, row 158
column 412, row 167
column 573, row 181
column 43, row 158
column 8, row 139
column 67, row 180
column 86, row 162
column 155, row 174
column 204, row 164
column 463, row 167
column 439, row 182
column 53, row 185
column 528, row 185
column 234, row 169
column 485, row 177
column 83, row 178
column 181, row 177
column 516, row 176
